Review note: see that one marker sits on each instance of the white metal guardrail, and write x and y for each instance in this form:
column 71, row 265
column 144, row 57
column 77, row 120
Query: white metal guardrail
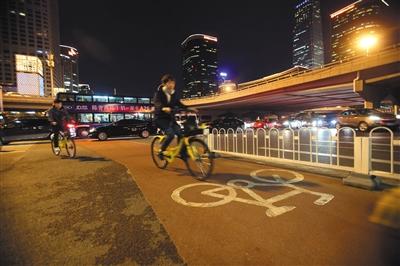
column 384, row 153
column 377, row 154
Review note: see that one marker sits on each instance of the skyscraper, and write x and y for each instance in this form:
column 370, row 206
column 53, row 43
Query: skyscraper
column 199, row 65
column 29, row 51
column 308, row 48
column 354, row 22
column 69, row 67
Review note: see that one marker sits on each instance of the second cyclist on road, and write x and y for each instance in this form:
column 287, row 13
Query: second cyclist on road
column 58, row 118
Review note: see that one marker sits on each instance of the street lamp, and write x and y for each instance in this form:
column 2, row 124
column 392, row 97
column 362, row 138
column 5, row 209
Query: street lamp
column 367, row 42
column 227, row 86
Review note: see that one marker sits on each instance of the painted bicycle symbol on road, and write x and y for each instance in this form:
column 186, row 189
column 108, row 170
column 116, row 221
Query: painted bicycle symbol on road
column 227, row 193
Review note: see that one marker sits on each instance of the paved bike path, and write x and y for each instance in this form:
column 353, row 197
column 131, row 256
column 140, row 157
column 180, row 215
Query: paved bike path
column 241, row 233
column 82, row 211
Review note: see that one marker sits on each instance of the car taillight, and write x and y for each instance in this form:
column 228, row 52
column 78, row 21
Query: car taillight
column 70, row 125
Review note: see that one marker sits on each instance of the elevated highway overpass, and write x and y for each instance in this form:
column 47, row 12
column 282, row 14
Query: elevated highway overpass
column 25, row 103
column 365, row 80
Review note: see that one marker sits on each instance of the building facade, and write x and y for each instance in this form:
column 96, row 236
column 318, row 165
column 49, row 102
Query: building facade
column 199, row 66
column 69, row 68
column 352, row 23
column 29, row 32
column 308, row 47
column 84, row 89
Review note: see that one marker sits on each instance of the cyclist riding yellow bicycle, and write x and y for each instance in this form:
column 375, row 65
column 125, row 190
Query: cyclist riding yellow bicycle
column 58, row 118
column 191, row 148
column 165, row 101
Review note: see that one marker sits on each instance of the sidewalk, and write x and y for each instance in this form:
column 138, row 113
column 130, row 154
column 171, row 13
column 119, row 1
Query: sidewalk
column 83, row 211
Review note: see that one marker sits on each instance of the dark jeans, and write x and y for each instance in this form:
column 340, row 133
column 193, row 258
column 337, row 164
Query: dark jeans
column 56, row 131
column 170, row 129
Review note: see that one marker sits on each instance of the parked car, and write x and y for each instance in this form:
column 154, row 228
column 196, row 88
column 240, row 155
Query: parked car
column 259, row 123
column 83, row 130
column 273, row 123
column 227, row 123
column 122, row 128
column 24, row 129
column 311, row 119
column 365, row 119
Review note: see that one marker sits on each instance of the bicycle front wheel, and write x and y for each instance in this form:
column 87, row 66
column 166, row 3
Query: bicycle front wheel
column 71, row 148
column 158, row 160
column 202, row 163
column 53, row 148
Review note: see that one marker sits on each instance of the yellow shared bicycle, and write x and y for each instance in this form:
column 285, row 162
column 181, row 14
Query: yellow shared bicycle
column 65, row 141
column 191, row 149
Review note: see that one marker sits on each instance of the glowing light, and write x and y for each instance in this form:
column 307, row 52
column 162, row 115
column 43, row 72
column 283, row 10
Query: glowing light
column 383, row 1
column 344, row 9
column 368, row 41
column 211, row 38
column 29, row 64
column 374, row 118
column 198, row 36
column 223, row 74
column 72, row 52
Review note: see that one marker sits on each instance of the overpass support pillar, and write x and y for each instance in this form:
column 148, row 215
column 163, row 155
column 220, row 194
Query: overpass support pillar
column 368, row 105
column 372, row 95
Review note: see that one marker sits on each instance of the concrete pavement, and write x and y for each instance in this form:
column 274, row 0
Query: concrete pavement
column 83, row 211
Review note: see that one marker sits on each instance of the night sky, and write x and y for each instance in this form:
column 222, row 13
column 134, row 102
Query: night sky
column 128, row 45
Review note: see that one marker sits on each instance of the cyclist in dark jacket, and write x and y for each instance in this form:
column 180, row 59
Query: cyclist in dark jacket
column 58, row 118
column 165, row 100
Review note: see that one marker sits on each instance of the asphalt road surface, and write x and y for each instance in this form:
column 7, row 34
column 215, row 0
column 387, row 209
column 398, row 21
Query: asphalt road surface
column 266, row 216
column 82, row 211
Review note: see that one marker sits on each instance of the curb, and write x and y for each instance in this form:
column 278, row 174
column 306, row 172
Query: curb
column 311, row 169
column 348, row 178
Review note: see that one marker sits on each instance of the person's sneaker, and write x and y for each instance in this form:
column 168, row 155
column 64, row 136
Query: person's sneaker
column 160, row 155
column 57, row 149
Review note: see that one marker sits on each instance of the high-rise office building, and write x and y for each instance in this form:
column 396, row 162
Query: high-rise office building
column 29, row 50
column 352, row 23
column 200, row 66
column 308, row 47
column 69, row 68
column 85, row 89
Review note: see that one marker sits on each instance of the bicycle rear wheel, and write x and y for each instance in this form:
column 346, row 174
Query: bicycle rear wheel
column 201, row 167
column 71, row 148
column 155, row 149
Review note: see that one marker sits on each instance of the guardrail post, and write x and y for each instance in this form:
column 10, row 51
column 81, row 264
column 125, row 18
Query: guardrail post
column 362, row 163
column 362, row 155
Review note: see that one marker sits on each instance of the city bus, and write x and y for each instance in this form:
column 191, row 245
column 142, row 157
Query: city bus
column 95, row 110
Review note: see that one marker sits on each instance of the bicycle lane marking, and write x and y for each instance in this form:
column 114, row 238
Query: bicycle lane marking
column 257, row 200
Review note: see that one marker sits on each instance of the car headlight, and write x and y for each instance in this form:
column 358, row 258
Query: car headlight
column 374, row 118
column 248, row 125
column 92, row 129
